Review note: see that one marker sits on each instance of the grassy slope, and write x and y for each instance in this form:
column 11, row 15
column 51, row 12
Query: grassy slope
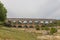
column 13, row 34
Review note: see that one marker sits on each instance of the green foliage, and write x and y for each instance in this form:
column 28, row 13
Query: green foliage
column 53, row 30
column 45, row 28
column 1, row 23
column 58, row 23
column 3, row 12
column 50, row 25
column 37, row 27
column 43, row 25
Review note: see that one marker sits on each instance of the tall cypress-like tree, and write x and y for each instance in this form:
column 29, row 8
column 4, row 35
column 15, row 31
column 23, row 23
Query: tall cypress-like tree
column 3, row 12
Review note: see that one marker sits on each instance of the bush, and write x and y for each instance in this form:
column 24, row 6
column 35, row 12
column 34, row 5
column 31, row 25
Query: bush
column 1, row 23
column 37, row 27
column 42, row 25
column 44, row 28
column 53, row 30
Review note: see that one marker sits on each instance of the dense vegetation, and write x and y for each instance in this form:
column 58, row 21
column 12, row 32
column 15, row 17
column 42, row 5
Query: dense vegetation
column 53, row 30
column 37, row 27
column 3, row 12
column 58, row 23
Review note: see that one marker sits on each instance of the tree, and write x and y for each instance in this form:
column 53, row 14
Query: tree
column 37, row 27
column 3, row 12
column 53, row 30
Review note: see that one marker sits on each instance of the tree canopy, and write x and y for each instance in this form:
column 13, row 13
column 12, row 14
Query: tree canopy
column 3, row 12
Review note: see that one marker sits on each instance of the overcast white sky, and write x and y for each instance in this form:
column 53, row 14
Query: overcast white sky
column 32, row 8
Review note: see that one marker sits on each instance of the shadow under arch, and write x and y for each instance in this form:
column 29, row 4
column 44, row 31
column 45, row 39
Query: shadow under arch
column 30, row 26
column 14, row 26
column 19, row 26
column 25, row 26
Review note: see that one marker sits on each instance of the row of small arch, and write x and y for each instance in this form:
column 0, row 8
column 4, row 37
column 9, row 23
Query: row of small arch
column 34, row 21
column 25, row 26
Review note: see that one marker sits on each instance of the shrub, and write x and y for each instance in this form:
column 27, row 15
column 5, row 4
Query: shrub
column 1, row 23
column 53, row 30
column 44, row 28
column 42, row 25
column 37, row 27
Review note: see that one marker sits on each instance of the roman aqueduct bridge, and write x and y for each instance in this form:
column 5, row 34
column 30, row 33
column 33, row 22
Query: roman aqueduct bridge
column 29, row 22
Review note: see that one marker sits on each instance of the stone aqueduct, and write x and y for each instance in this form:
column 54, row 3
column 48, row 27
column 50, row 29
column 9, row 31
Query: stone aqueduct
column 28, row 22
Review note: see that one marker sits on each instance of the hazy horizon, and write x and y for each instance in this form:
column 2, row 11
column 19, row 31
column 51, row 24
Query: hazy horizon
column 49, row 9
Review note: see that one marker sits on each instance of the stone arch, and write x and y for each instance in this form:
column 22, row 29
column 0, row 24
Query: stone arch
column 41, row 21
column 25, row 26
column 14, row 21
column 36, row 22
column 46, row 22
column 25, row 22
column 50, row 21
column 14, row 26
column 19, row 22
column 8, row 23
column 30, row 22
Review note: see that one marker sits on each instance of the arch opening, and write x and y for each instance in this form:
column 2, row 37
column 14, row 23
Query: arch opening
column 30, row 22
column 30, row 26
column 19, row 26
column 36, row 22
column 14, row 26
column 19, row 22
column 25, row 22
column 25, row 26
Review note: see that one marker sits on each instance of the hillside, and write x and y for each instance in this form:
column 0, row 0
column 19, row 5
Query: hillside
column 13, row 34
